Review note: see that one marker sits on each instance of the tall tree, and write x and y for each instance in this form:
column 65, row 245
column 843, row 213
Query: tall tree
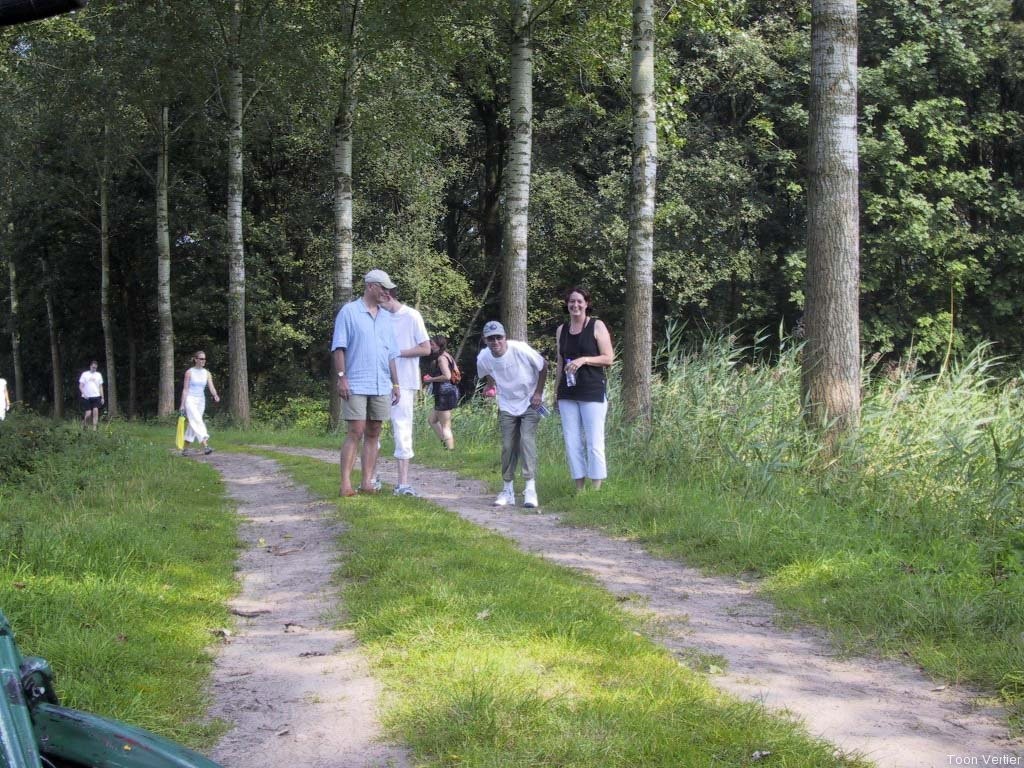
column 51, row 323
column 831, row 362
column 165, row 320
column 238, row 365
column 638, row 342
column 517, row 173
column 342, row 130
column 103, row 178
column 14, row 326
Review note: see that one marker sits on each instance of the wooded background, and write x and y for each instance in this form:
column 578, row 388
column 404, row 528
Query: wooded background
column 98, row 108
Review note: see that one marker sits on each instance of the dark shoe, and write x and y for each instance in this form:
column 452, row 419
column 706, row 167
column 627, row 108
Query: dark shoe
column 207, row 451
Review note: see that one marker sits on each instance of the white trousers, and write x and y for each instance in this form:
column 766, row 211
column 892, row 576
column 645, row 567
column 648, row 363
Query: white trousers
column 401, row 423
column 195, row 407
column 583, row 430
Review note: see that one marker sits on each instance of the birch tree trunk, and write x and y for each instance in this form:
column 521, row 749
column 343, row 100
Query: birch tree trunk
column 133, row 354
column 342, row 167
column 108, row 330
column 831, row 362
column 165, row 322
column 51, row 324
column 517, row 191
column 14, row 328
column 238, row 367
column 7, row 231
column 638, row 336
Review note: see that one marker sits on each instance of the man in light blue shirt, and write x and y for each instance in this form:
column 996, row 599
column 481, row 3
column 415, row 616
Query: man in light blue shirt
column 364, row 351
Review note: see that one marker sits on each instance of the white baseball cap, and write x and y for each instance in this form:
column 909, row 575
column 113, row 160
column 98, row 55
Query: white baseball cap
column 493, row 328
column 378, row 276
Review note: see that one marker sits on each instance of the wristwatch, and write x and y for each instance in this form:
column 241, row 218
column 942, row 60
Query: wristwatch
column 341, row 374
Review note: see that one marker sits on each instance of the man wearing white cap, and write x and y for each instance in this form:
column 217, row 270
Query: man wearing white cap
column 364, row 350
column 519, row 372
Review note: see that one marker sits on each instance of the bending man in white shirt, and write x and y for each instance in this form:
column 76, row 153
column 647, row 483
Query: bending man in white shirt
column 519, row 373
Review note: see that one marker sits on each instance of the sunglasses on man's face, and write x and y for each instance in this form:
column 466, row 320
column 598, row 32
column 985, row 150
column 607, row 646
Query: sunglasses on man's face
column 492, row 339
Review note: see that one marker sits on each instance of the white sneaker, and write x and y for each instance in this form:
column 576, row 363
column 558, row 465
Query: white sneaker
column 405, row 490
column 530, row 498
column 376, row 483
column 505, row 499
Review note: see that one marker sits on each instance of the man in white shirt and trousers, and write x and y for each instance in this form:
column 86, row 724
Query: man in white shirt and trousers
column 413, row 343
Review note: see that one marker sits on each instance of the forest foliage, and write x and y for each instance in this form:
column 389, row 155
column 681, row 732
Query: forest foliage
column 941, row 147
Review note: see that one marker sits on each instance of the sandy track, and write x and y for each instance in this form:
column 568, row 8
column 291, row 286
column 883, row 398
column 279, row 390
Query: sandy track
column 298, row 692
column 890, row 713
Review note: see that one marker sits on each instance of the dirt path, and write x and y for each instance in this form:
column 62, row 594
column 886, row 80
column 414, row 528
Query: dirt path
column 298, row 692
column 888, row 712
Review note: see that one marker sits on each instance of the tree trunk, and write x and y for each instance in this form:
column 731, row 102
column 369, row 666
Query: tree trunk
column 238, row 366
column 14, row 328
column 638, row 335
column 517, row 193
column 165, row 323
column 51, row 324
column 133, row 354
column 342, row 166
column 108, row 330
column 831, row 361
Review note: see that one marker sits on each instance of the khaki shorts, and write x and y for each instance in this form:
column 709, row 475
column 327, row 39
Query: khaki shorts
column 366, row 408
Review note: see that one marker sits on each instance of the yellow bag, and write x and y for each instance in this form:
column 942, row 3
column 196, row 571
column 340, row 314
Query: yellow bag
column 179, row 438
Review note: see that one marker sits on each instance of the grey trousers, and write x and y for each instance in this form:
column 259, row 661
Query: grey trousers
column 518, row 442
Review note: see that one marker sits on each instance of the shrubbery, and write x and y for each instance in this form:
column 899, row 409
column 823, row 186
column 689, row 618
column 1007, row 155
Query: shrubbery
column 303, row 413
column 26, row 441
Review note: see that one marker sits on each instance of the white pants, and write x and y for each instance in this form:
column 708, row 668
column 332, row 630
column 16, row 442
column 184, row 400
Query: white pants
column 195, row 407
column 583, row 430
column 401, row 423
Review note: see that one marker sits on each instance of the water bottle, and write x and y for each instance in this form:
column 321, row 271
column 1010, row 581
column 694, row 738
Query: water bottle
column 570, row 377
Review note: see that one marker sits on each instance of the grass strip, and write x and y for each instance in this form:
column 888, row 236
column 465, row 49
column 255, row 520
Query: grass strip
column 496, row 658
column 116, row 559
column 881, row 569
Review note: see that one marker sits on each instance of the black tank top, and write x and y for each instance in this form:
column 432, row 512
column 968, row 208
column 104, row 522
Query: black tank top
column 590, row 379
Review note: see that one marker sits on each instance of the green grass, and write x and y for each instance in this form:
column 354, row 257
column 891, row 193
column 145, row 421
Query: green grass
column 116, row 560
column 493, row 657
column 910, row 543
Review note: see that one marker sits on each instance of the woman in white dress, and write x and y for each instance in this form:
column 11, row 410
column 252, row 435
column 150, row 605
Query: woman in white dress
column 193, row 401
column 5, row 399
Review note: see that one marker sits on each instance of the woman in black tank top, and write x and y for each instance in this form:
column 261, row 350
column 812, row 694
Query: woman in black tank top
column 584, row 353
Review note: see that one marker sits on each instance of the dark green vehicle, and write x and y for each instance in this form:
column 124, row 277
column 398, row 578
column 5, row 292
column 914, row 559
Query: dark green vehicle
column 36, row 731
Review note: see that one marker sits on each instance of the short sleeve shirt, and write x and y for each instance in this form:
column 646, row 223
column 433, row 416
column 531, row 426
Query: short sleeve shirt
column 369, row 344
column 410, row 331
column 515, row 373
column 91, row 384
